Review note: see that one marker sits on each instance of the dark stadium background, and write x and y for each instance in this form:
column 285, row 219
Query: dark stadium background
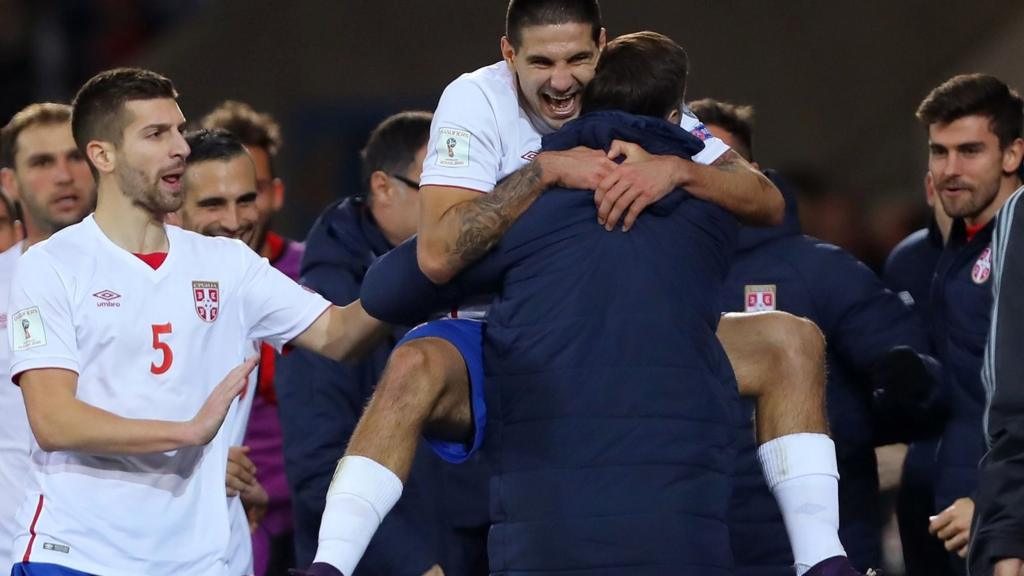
column 835, row 83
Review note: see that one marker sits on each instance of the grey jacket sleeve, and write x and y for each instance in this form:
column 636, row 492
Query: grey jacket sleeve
column 998, row 527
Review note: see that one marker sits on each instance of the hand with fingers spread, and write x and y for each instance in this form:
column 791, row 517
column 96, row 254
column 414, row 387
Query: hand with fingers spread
column 241, row 473
column 641, row 180
column 953, row 526
column 204, row 426
column 579, row 168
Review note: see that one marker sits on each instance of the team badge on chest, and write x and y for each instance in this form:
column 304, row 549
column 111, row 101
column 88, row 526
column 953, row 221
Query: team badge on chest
column 982, row 267
column 759, row 297
column 207, row 299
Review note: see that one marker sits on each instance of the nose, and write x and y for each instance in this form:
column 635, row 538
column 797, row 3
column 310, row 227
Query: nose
column 230, row 220
column 561, row 77
column 179, row 147
column 62, row 171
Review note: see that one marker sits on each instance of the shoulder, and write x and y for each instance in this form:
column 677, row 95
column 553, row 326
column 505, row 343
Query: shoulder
column 491, row 87
column 910, row 251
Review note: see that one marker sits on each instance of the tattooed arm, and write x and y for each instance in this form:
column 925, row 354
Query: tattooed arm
column 458, row 226
column 643, row 179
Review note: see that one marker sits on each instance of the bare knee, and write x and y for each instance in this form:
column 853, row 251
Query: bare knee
column 800, row 354
column 773, row 352
column 414, row 376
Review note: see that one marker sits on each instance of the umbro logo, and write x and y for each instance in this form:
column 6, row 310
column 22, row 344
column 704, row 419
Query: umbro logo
column 107, row 299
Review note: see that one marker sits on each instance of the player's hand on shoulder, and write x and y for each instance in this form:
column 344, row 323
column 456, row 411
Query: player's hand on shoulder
column 207, row 421
column 241, row 473
column 639, row 181
column 579, row 168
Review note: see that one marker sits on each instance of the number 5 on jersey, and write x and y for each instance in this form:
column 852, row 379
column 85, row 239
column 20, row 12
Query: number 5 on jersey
column 163, row 347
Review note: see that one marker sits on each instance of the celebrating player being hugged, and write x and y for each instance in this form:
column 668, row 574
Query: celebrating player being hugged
column 129, row 340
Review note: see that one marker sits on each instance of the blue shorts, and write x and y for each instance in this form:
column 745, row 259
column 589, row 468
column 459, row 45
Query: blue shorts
column 44, row 569
column 467, row 337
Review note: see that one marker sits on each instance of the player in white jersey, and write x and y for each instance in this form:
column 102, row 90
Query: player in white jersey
column 48, row 174
column 220, row 200
column 120, row 329
column 482, row 171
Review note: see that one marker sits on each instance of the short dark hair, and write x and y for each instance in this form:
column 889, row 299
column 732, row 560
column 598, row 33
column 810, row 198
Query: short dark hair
column 525, row 13
column 737, row 119
column 252, row 128
column 976, row 94
column 393, row 144
column 43, row 113
column 213, row 144
column 98, row 108
column 641, row 73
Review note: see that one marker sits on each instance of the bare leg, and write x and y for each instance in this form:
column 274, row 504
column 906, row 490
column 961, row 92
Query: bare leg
column 779, row 360
column 424, row 388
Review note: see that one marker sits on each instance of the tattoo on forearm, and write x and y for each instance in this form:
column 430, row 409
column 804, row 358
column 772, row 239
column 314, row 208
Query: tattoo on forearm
column 482, row 221
column 730, row 161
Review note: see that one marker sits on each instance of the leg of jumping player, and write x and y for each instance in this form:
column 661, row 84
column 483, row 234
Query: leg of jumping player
column 779, row 360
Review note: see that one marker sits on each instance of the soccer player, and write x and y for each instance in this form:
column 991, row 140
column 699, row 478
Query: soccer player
column 610, row 423
column 49, row 174
column 551, row 49
column 120, row 328
column 320, row 400
column 877, row 356
column 273, row 542
column 974, row 125
column 220, row 200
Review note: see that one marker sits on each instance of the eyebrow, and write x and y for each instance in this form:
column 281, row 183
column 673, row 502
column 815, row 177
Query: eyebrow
column 247, row 197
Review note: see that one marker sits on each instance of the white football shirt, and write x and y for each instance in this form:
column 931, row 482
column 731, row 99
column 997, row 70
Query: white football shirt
column 480, row 135
column 145, row 343
column 15, row 434
column 239, row 556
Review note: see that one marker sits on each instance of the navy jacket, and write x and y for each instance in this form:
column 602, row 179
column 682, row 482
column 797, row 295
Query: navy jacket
column 961, row 309
column 320, row 401
column 908, row 272
column 865, row 326
column 610, row 401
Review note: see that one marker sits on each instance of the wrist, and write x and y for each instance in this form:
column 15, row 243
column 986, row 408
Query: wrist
column 185, row 434
column 682, row 172
column 545, row 165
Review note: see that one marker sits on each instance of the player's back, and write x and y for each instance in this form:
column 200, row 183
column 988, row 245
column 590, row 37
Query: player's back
column 146, row 343
column 610, row 400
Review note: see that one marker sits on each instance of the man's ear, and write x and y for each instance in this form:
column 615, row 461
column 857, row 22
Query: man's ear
column 380, row 188
column 1012, row 156
column 508, row 52
column 102, row 155
column 10, row 184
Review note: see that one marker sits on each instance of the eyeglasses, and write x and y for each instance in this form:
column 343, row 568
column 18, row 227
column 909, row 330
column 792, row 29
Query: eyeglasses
column 410, row 183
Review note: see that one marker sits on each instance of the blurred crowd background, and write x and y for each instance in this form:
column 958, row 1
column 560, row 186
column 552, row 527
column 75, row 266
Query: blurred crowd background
column 834, row 84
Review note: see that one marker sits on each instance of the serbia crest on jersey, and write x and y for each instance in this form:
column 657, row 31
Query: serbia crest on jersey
column 207, row 298
column 759, row 297
column 982, row 267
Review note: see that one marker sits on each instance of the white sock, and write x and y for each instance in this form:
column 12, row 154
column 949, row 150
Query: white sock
column 361, row 494
column 801, row 472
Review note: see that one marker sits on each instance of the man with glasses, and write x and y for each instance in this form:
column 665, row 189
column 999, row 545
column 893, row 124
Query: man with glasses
column 321, row 400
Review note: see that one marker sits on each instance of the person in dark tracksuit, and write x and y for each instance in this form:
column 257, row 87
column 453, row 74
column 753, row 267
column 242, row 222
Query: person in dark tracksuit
column 974, row 127
column 908, row 272
column 320, row 400
column 997, row 544
column 875, row 342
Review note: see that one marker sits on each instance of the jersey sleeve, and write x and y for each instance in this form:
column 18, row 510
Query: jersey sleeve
column 464, row 150
column 40, row 322
column 274, row 308
column 713, row 146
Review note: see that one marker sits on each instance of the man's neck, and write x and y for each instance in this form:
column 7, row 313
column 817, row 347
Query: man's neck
column 127, row 224
column 1007, row 186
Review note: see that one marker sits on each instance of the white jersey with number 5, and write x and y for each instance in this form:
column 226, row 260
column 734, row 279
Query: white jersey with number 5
column 149, row 344
column 480, row 134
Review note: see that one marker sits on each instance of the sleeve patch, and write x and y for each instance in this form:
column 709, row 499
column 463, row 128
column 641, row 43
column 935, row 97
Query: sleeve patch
column 453, row 147
column 27, row 330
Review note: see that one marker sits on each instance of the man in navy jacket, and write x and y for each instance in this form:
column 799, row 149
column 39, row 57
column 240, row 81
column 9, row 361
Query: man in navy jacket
column 873, row 339
column 321, row 400
column 975, row 148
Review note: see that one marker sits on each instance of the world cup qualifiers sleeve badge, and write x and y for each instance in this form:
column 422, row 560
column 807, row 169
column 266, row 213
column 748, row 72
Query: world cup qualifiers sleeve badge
column 207, row 299
column 27, row 330
column 759, row 297
column 453, row 147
